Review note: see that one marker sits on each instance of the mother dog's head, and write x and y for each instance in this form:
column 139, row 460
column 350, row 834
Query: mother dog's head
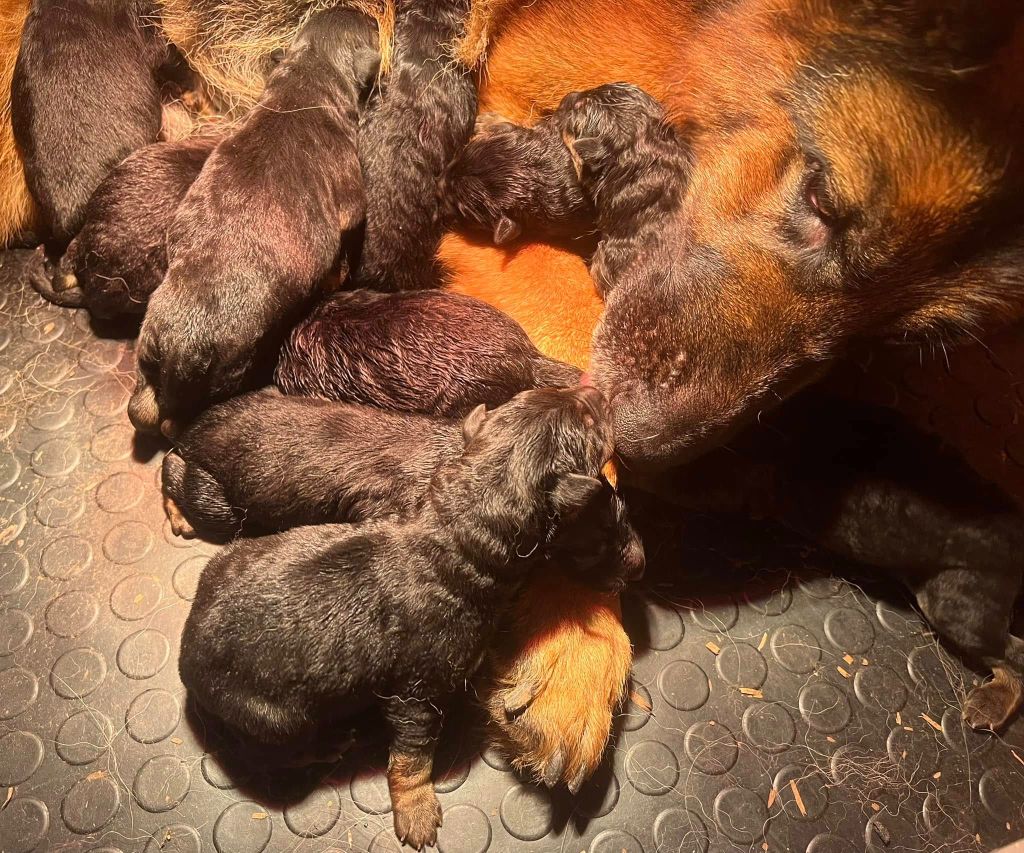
column 858, row 172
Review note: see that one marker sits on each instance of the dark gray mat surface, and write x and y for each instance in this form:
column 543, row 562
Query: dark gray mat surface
column 775, row 707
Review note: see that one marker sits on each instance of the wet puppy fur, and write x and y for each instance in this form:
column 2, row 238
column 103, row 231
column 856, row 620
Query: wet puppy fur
column 864, row 482
column 429, row 352
column 403, row 609
column 254, row 237
column 65, row 90
column 512, row 181
column 417, row 124
column 238, row 469
column 119, row 257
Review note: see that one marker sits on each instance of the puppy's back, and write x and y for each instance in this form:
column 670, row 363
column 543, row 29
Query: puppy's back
column 279, row 462
column 424, row 352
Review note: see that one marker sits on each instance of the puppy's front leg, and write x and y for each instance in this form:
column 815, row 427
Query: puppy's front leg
column 414, row 728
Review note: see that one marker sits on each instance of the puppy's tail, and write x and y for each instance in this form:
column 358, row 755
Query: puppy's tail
column 53, row 283
column 549, row 373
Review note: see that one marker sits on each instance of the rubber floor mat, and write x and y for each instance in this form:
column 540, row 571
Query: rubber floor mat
column 775, row 706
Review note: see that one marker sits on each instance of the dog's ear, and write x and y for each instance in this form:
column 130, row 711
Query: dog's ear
column 366, row 67
column 586, row 151
column 505, row 231
column 473, row 422
column 573, row 493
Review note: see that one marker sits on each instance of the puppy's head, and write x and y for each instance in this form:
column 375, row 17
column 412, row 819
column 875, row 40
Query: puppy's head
column 488, row 184
column 610, row 130
column 597, row 542
column 535, row 467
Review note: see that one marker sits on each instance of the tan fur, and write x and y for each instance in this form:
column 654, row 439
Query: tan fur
column 230, row 50
column 566, row 660
column 485, row 19
column 18, row 211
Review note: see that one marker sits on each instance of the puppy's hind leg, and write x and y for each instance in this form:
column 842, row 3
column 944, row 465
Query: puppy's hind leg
column 172, row 477
column 414, row 725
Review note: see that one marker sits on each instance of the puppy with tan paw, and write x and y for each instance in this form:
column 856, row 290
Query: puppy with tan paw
column 290, row 631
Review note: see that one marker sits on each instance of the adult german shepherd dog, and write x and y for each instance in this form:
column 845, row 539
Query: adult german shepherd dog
column 857, row 172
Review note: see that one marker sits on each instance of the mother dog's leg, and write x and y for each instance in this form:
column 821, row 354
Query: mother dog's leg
column 560, row 669
column 19, row 216
column 84, row 95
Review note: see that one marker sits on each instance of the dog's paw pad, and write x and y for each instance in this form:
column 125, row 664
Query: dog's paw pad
column 417, row 817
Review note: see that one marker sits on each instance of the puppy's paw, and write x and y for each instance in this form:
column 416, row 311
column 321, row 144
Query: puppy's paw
column 990, row 705
column 560, row 680
column 143, row 410
column 180, row 525
column 417, row 816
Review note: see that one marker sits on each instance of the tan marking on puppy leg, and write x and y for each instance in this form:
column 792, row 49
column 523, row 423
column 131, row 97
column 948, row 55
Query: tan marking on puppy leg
column 180, row 525
column 417, row 812
column 991, row 704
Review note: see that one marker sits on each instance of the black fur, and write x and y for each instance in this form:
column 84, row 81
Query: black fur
column 419, row 123
column 291, row 631
column 633, row 168
column 84, row 95
column 430, row 352
column 260, row 228
column 512, row 180
column 863, row 482
column 239, row 468
column 264, row 461
column 119, row 257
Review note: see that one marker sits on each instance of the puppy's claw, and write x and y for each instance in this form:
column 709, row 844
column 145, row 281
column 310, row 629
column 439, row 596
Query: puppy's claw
column 990, row 705
column 417, row 818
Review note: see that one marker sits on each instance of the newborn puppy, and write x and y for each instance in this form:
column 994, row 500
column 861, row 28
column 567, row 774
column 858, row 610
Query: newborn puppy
column 119, row 257
column 292, row 631
column 865, row 483
column 430, row 352
column 84, row 96
column 510, row 180
column 419, row 123
column 239, row 468
column 262, row 225
column 634, row 168
column 265, row 462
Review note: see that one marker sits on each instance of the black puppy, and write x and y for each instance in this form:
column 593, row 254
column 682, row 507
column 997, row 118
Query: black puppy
column 510, row 180
column 634, row 168
column 84, row 95
column 422, row 118
column 239, row 468
column 863, row 482
column 119, row 257
column 291, row 631
column 607, row 154
column 245, row 260
column 263, row 461
column 430, row 352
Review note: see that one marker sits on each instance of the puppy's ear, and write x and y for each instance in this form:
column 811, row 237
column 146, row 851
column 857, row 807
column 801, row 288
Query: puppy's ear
column 573, row 493
column 505, row 231
column 366, row 67
column 586, row 150
column 473, row 422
